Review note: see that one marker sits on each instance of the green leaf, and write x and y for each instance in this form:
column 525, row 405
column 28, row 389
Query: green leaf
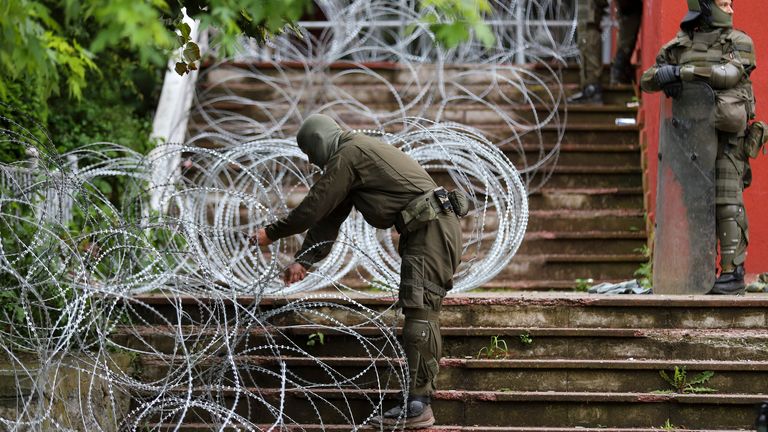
column 181, row 68
column 451, row 35
column 185, row 30
column 701, row 378
column 191, row 52
column 484, row 33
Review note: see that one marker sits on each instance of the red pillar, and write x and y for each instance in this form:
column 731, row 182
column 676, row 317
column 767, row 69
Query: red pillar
column 661, row 21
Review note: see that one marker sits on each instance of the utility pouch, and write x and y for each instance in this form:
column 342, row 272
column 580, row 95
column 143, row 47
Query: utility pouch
column 460, row 203
column 757, row 136
column 417, row 213
column 731, row 111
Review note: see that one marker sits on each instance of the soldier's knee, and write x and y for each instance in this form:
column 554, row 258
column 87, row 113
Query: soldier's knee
column 732, row 226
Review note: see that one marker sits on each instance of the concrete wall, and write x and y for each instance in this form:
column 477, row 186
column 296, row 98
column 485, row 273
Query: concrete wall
column 660, row 23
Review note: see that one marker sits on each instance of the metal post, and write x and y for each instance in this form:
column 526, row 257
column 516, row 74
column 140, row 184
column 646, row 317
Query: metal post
column 519, row 32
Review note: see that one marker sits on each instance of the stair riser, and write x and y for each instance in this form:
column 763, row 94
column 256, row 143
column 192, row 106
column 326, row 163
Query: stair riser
column 492, row 379
column 572, row 157
column 498, row 134
column 508, row 413
column 568, row 180
column 577, row 201
column 556, row 314
column 535, row 270
column 580, row 224
column 467, row 112
column 580, row 246
column 543, row 347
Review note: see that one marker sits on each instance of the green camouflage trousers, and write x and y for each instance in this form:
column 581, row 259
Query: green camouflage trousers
column 590, row 14
column 732, row 167
column 430, row 258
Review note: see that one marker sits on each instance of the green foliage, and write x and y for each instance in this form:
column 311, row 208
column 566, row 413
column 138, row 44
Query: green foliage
column 496, row 349
column 526, row 339
column 51, row 42
column 452, row 21
column 644, row 273
column 668, row 426
column 681, row 384
column 47, row 41
column 35, row 49
column 118, row 109
column 583, row 284
column 316, row 339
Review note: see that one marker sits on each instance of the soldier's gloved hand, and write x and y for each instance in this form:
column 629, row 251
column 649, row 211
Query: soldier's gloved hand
column 668, row 78
column 667, row 74
column 673, row 90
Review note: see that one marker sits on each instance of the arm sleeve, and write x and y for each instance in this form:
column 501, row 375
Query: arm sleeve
column 648, row 79
column 326, row 195
column 319, row 240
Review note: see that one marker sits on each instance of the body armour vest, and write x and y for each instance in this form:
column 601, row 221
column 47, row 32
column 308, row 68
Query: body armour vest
column 736, row 105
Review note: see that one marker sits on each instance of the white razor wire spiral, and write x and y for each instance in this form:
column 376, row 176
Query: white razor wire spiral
column 163, row 315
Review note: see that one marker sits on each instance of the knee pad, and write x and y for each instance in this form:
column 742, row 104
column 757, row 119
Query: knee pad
column 731, row 232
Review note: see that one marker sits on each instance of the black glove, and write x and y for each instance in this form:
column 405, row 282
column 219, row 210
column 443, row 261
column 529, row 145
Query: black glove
column 667, row 74
column 668, row 78
column 673, row 90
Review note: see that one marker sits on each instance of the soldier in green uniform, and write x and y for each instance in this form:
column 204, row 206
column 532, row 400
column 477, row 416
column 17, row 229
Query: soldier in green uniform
column 708, row 49
column 388, row 188
column 589, row 15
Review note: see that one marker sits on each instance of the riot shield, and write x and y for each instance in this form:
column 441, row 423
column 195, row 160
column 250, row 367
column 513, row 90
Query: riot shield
column 685, row 240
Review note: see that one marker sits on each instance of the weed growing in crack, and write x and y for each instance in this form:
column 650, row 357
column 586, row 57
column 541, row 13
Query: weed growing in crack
column 680, row 382
column 497, row 349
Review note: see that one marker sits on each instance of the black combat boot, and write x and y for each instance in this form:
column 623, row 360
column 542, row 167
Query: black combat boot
column 591, row 94
column 731, row 283
column 417, row 416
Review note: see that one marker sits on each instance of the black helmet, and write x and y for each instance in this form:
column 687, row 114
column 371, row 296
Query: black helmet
column 699, row 11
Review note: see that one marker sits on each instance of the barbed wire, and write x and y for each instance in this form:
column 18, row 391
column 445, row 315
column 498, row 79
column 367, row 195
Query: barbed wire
column 117, row 314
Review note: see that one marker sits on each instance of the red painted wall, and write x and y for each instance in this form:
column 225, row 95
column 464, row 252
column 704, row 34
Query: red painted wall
column 660, row 23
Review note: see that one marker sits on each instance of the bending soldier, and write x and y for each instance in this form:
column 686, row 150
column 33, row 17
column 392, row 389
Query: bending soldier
column 388, row 188
column 589, row 15
column 708, row 49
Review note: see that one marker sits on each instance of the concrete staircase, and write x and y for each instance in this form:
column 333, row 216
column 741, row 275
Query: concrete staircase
column 586, row 221
column 568, row 361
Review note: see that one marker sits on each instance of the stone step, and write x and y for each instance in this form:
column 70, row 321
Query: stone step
column 548, row 343
column 487, row 408
column 390, row 71
column 203, row 427
column 515, row 310
column 465, row 112
column 570, row 177
column 583, row 155
column 586, row 199
column 403, row 94
column 570, row 267
column 582, row 242
column 501, row 134
column 588, row 220
column 478, row 374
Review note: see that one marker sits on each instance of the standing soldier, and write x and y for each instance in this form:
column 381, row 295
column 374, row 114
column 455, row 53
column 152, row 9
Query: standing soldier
column 388, row 188
column 589, row 15
column 708, row 49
